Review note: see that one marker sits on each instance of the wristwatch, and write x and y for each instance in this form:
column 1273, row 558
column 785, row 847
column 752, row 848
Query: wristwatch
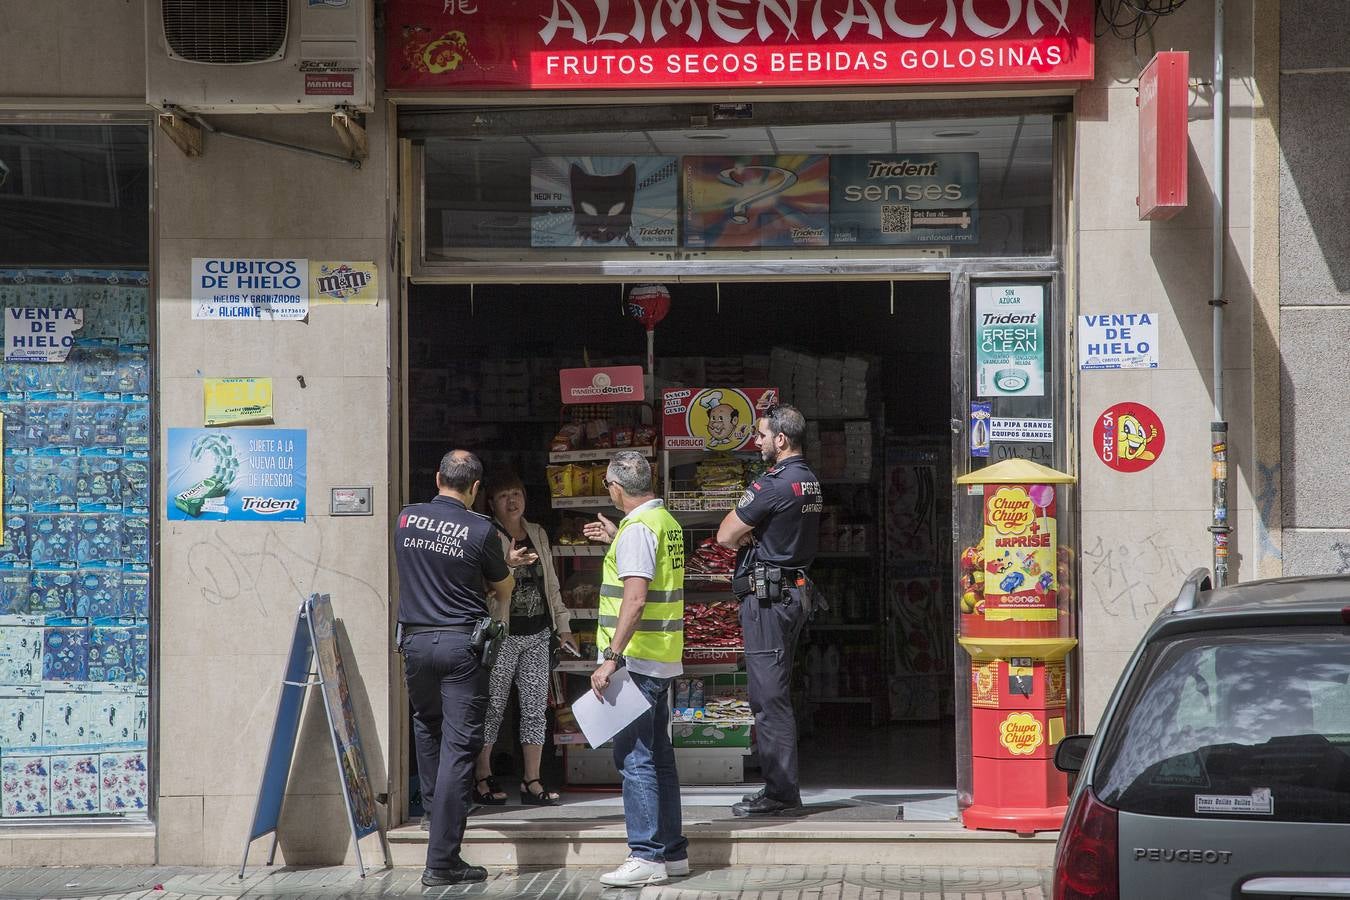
column 610, row 656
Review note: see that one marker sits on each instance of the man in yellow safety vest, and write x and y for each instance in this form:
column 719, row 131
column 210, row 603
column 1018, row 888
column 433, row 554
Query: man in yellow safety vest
column 641, row 628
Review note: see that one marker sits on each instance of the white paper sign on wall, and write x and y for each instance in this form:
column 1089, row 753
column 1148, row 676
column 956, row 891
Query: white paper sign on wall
column 1118, row 341
column 261, row 289
column 40, row 335
column 1016, row 430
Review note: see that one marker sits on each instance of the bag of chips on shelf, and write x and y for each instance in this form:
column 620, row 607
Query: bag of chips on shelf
column 567, row 438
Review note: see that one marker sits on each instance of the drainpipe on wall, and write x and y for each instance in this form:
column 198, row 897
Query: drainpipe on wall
column 1219, row 527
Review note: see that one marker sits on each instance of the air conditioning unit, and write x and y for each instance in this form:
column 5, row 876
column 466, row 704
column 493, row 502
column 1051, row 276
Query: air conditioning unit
column 249, row 56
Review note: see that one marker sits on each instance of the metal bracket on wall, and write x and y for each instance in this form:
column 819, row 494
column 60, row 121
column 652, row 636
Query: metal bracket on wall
column 351, row 130
column 187, row 136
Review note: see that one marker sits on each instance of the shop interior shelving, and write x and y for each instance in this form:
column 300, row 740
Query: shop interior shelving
column 700, row 512
column 853, row 581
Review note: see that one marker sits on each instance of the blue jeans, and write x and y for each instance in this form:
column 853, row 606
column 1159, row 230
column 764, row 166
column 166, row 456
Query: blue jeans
column 651, row 787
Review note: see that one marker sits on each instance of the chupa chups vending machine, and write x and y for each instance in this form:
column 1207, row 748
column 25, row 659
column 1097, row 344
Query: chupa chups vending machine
column 1016, row 622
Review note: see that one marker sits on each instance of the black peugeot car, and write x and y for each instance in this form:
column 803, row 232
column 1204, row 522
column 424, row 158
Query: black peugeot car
column 1221, row 767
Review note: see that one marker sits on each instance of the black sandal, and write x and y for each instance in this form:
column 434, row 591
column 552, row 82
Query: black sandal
column 488, row 798
column 530, row 798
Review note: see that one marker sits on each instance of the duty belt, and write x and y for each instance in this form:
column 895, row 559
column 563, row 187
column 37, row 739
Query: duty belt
column 745, row 583
column 418, row 629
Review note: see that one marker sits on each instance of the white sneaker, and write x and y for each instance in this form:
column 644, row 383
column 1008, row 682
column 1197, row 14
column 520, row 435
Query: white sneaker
column 677, row 868
column 635, row 872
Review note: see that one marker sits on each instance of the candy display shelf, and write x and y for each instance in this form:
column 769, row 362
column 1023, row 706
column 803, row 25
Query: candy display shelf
column 567, row 456
column 582, row 503
column 572, row 550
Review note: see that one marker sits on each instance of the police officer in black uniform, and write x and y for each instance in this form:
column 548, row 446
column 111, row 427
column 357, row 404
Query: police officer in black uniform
column 775, row 528
column 446, row 554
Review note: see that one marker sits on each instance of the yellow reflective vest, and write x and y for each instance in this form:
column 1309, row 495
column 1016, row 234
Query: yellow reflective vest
column 660, row 632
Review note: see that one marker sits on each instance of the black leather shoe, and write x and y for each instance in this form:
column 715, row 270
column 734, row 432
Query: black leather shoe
column 757, row 795
column 460, row 875
column 765, row 807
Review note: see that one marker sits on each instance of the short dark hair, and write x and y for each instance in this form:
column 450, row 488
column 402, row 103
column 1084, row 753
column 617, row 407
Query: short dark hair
column 787, row 421
column 502, row 480
column 459, row 470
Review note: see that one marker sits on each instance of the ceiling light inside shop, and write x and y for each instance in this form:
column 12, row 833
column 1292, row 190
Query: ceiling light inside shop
column 833, row 146
column 956, row 134
column 706, row 136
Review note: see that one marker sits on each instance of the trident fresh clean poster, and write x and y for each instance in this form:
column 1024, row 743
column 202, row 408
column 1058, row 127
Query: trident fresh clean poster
column 1010, row 340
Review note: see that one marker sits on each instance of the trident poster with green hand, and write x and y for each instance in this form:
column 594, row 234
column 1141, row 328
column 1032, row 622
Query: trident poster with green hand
column 236, row 474
column 1010, row 340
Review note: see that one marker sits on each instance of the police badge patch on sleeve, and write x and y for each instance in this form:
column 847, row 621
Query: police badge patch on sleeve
column 746, row 499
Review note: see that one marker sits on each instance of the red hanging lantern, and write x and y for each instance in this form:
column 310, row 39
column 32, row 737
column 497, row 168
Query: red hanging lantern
column 649, row 303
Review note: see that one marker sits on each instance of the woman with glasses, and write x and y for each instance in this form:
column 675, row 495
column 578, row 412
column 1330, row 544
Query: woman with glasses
column 537, row 612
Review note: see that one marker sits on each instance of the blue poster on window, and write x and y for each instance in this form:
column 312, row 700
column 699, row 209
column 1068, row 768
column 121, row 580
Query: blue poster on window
column 236, row 474
column 907, row 198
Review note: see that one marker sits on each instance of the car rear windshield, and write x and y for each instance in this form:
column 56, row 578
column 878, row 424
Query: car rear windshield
column 1251, row 723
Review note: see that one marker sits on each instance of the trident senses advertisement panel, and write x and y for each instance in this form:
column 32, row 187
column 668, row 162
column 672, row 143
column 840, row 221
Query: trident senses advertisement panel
column 236, row 474
column 905, row 199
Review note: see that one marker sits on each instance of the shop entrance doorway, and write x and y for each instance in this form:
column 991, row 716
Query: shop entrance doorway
column 871, row 366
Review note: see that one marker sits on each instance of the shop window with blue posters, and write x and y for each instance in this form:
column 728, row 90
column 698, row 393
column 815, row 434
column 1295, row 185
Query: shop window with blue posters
column 75, row 562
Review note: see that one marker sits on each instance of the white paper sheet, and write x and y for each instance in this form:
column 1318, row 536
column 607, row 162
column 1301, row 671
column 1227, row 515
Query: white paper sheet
column 601, row 720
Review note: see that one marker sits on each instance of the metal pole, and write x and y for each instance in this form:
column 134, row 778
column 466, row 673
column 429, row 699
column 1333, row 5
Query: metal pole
column 1219, row 526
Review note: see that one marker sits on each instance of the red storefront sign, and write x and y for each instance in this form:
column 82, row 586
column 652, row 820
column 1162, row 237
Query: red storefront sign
column 439, row 45
column 1163, row 95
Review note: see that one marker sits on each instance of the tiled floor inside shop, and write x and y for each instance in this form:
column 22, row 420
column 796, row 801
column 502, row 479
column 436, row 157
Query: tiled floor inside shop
column 704, row 805
column 850, row 773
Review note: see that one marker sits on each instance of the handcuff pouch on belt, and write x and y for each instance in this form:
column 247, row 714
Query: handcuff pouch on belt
column 760, row 580
column 486, row 640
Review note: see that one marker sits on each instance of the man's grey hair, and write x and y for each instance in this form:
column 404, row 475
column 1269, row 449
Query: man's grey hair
column 630, row 470
column 787, row 421
column 459, row 470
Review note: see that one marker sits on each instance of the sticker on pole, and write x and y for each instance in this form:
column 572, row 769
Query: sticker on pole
column 1129, row 437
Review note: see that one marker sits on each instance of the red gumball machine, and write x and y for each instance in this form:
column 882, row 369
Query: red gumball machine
column 1016, row 623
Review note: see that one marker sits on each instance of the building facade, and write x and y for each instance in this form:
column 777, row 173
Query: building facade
column 223, row 595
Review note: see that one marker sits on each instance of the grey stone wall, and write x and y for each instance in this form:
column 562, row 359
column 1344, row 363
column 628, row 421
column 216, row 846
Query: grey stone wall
column 1314, row 287
column 1143, row 532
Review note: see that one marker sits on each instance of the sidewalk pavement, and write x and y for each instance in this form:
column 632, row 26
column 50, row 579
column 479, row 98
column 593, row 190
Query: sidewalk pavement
column 819, row 882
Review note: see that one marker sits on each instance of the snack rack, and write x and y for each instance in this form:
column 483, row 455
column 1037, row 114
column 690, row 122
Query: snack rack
column 712, row 735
